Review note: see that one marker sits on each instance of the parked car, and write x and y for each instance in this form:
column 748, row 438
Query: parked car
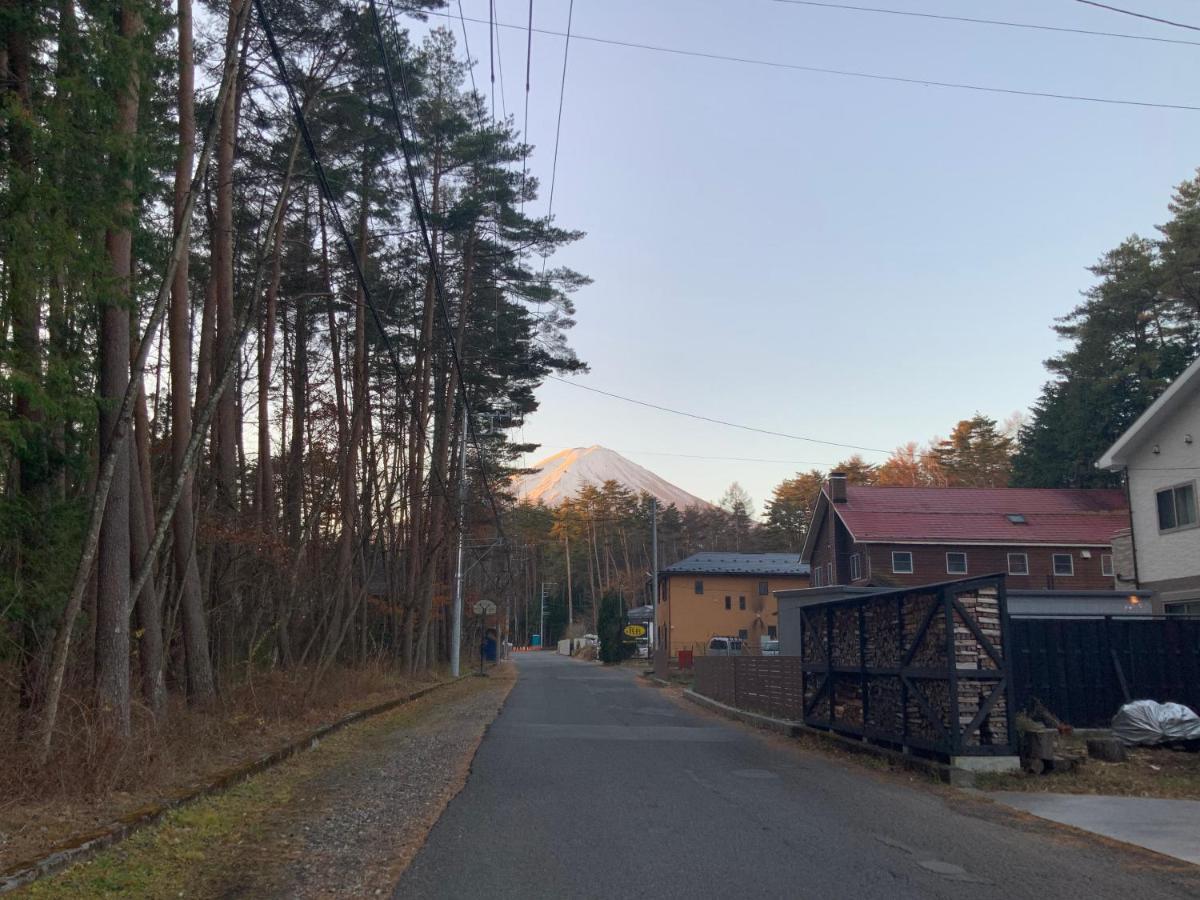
column 724, row 646
column 769, row 648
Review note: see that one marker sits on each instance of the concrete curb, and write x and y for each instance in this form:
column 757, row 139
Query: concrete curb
column 939, row 771
column 87, row 846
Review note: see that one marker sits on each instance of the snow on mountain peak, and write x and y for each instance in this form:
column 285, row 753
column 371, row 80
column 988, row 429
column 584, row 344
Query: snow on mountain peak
column 561, row 475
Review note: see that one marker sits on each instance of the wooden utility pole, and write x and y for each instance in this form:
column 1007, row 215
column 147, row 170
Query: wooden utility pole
column 570, row 604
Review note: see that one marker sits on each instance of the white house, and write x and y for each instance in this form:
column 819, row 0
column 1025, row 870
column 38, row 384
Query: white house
column 1160, row 457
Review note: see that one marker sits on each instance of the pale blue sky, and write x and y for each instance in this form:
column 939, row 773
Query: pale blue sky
column 861, row 261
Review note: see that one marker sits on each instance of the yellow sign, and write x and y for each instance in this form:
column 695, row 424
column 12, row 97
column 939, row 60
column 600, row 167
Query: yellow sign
column 635, row 631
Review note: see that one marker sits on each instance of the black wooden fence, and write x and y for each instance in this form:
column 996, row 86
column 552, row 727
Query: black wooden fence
column 1083, row 669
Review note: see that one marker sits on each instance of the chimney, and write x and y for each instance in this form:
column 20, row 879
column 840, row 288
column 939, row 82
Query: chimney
column 837, row 487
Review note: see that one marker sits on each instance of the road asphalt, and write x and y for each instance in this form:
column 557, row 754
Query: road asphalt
column 591, row 783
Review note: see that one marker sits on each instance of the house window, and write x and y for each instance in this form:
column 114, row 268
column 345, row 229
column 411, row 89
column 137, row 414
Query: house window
column 1187, row 608
column 741, row 602
column 1018, row 564
column 729, row 603
column 699, row 586
column 763, row 590
column 855, row 566
column 743, row 633
column 1064, row 564
column 1106, row 565
column 772, row 632
column 1176, row 507
column 829, row 573
column 902, row 562
column 956, row 563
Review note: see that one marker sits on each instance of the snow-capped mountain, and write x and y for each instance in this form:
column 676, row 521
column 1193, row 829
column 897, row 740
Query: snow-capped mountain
column 560, row 477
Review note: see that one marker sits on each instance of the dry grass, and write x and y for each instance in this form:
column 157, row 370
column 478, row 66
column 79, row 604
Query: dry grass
column 245, row 842
column 93, row 779
column 1149, row 772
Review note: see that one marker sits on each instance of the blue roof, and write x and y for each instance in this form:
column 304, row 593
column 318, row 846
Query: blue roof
column 739, row 564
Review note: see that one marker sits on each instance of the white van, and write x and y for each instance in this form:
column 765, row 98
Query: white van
column 724, row 646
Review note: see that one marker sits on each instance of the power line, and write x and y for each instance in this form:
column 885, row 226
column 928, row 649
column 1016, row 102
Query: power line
column 466, row 42
column 997, row 22
column 439, row 288
column 679, row 412
column 499, row 66
column 729, row 459
column 1138, row 15
column 335, row 213
column 846, row 73
column 562, row 90
column 525, row 127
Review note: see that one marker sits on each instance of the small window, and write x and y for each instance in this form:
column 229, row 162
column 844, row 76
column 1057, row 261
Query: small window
column 772, row 632
column 1064, row 564
column 729, row 603
column 1176, row 507
column 763, row 590
column 1018, row 564
column 742, row 635
column 956, row 563
column 699, row 586
column 815, row 577
column 902, row 562
column 1106, row 565
column 741, row 602
column 855, row 566
column 1016, row 518
column 829, row 573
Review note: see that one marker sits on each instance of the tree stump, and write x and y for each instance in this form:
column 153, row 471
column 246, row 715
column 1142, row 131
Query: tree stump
column 1107, row 749
column 1037, row 748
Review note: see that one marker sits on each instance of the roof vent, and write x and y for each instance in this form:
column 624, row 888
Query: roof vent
column 1016, row 519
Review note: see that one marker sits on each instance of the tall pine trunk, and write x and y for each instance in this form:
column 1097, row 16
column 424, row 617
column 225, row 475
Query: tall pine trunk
column 113, row 565
column 192, row 614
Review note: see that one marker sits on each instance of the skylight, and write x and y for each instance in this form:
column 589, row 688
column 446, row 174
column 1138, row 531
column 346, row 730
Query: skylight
column 1016, row 518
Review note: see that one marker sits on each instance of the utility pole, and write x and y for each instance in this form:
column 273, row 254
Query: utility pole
column 456, row 627
column 542, row 613
column 570, row 606
column 654, row 573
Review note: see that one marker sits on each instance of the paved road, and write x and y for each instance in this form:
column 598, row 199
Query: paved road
column 590, row 784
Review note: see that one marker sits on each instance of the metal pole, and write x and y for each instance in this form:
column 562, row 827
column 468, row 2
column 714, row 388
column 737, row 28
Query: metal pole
column 542, row 618
column 654, row 573
column 456, row 627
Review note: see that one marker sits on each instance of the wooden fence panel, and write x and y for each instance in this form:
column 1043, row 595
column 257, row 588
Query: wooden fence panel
column 1080, row 669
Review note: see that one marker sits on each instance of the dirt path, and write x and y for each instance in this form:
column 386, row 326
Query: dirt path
column 342, row 820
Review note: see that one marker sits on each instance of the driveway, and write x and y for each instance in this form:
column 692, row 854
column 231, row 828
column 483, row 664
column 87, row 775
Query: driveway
column 593, row 784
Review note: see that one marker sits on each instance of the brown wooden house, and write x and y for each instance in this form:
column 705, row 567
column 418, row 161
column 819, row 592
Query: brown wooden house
column 900, row 536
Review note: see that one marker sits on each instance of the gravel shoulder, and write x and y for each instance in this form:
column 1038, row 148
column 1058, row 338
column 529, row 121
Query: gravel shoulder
column 342, row 820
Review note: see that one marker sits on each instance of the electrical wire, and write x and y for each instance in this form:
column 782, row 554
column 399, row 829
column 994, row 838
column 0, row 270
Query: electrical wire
column 996, row 22
column 335, row 212
column 850, row 73
column 702, row 418
column 562, row 90
column 1138, row 15
column 439, row 288
column 525, row 127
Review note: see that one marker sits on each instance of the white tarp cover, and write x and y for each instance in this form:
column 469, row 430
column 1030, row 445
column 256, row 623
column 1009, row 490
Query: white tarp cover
column 1150, row 722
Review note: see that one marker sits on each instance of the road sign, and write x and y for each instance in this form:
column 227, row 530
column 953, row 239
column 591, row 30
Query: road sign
column 484, row 608
column 635, row 631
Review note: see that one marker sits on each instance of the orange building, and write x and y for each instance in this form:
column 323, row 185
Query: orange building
column 725, row 594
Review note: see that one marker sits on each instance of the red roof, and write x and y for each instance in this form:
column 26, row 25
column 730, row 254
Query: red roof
column 981, row 515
